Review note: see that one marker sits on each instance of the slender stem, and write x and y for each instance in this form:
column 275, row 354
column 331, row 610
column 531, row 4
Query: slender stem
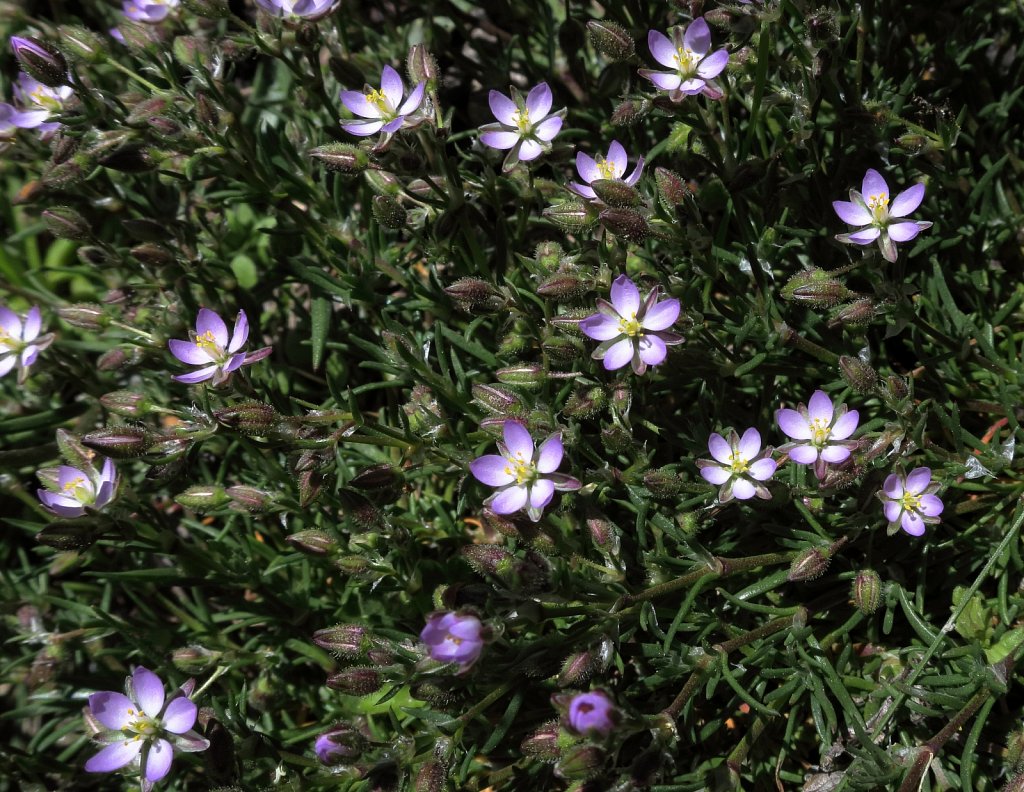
column 136, row 77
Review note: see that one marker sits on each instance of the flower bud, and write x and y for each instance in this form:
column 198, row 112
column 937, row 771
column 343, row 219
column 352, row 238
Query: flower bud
column 359, row 509
column 497, row 523
column 544, row 744
column 342, row 157
column 210, row 9
column 66, row 174
column 1015, row 784
column 549, row 255
column 564, row 285
column 431, row 777
column 617, row 439
column 93, row 256
column 122, row 442
column 152, row 255
column 610, row 39
column 74, row 453
column 421, row 65
column 313, row 542
column 125, row 403
column 497, row 400
column 380, row 478
column 382, row 182
column 858, row 374
column 812, row 562
column 77, row 534
column 626, row 223
column 194, row 659
column 488, row 560
column 855, row 314
column 202, row 497
column 65, row 223
column 475, row 293
column 630, row 111
column 389, row 212
column 357, row 681
column 815, row 287
column 577, row 668
column 207, row 112
column 867, row 591
column 616, row 192
column 339, row 745
column 580, row 761
column 112, row 360
column 561, row 348
column 896, row 387
column 344, row 640
column 249, row 418
column 352, row 565
column 40, row 60
column 87, row 317
column 571, row 216
column 673, row 189
column 82, row 45
column 663, row 483
column 527, row 375
column 586, row 402
column 249, row 498
column 602, row 532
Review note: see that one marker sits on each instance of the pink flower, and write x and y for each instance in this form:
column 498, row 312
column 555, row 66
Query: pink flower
column 454, row 638
column 71, row 492
column 592, row 713
column 212, row 348
column 631, row 331
column 820, row 432
column 524, row 476
column 688, row 54
column 910, row 501
column 739, row 467
column 870, row 209
column 382, row 110
column 610, row 167
column 20, row 342
column 524, row 128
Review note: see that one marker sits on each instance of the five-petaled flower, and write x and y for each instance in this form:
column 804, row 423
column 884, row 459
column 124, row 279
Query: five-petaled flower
column 453, row 637
column 524, row 476
column 910, row 501
column 310, row 10
column 69, row 492
column 592, row 713
column 870, row 208
column 211, row 348
column 630, row 330
column 20, row 342
column 604, row 168
column 687, row 53
column 739, row 467
column 525, row 128
column 820, row 432
column 142, row 726
column 149, row 11
column 37, row 103
column 382, row 110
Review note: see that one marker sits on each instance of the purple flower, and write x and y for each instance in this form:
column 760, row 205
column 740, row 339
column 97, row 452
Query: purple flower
column 383, row 109
column 820, row 432
column 40, row 60
column 20, row 342
column 631, row 331
column 740, row 466
column 338, row 745
column 142, row 726
column 687, row 54
column 454, row 638
column 870, row 209
column 910, row 501
column 149, row 11
column 310, row 10
column 523, row 475
column 610, row 167
column 69, row 492
column 7, row 126
column 592, row 713
column 211, row 348
column 37, row 103
column 524, row 128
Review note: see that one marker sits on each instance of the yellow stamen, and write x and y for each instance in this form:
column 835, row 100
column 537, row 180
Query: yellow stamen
column 737, row 464
column 74, row 484
column 522, row 120
column 606, row 168
column 207, row 341
column 911, row 502
column 686, row 61
column 630, row 326
column 819, row 431
column 879, row 205
column 378, row 100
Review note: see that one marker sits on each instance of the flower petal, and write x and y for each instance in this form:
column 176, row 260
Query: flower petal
column 819, row 408
column 541, row 493
column 845, row 425
column 414, row 101
column 874, row 185
column 835, row 454
column 61, row 505
column 210, row 322
column 714, row 474
column 362, row 128
column 666, row 81
column 617, row 157
column 918, row 479
column 158, row 760
column 112, row 709
column 763, row 469
column 912, row 523
column 619, row 354
column 587, row 167
column 149, row 691
column 793, row 424
column 7, row 363
column 547, row 129
column 235, row 362
column 662, row 315
column 907, row 201
column 743, row 489
column 499, row 140
column 357, row 103
column 197, row 376
column 518, row 441
column 33, row 323
column 903, row 232
column 114, row 756
column 750, row 444
column 652, row 350
column 804, row 454
column 931, row 506
column 549, row 455
column 698, row 36
column 600, row 327
column 892, row 510
column 863, row 237
column 509, row 500
column 711, row 67
column 9, row 322
column 851, row 213
column 189, row 352
column 241, row 333
column 634, row 177
column 391, row 86
column 504, row 109
column 720, row 448
column 582, row 190
column 71, row 478
column 893, row 486
column 530, row 150
column 180, row 715
column 538, row 102
column 662, row 49
column 492, row 470
column 28, row 357
column 625, row 297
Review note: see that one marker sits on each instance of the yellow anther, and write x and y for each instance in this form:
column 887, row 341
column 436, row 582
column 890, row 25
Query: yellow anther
column 630, row 326
column 75, row 483
column 737, row 463
column 379, row 100
column 879, row 205
column 820, row 431
column 522, row 120
column 911, row 502
column 686, row 61
column 207, row 341
column 606, row 168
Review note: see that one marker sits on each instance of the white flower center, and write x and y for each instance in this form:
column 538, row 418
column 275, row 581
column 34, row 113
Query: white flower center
column 630, row 326
column 380, row 101
column 879, row 206
column 208, row 344
column 7, row 340
column 521, row 118
column 819, row 431
column 686, row 61
column 738, row 463
column 524, row 471
column 45, row 99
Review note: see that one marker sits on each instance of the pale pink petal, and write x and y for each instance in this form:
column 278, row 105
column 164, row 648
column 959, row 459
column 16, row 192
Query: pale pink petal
column 863, row 237
column 504, row 109
column 549, row 455
column 720, row 448
column 662, row 315
column 835, row 454
column 692, row 86
column 530, row 150
column 538, row 102
column 61, row 505
column 210, row 322
column 541, row 493
column 819, row 408
column 918, row 479
column 652, row 350
column 414, row 101
column 931, row 506
column 712, row 66
column 393, row 125
column 845, row 425
column 499, row 140
column 662, row 48
column 509, row 500
column 874, row 185
column 634, row 177
column 236, row 362
column 750, row 444
column 196, row 376
column 698, row 37
column 547, row 129
column 158, row 760
column 149, row 691
column 619, row 354
column 743, row 489
column 793, row 424
column 804, row 454
column 113, row 710
column 362, row 128
column 715, row 475
column 763, row 469
column 180, row 715
column 582, row 190
column 903, row 232
column 493, row 470
column 114, row 756
column 851, row 213
column 600, row 327
column 518, row 441
column 907, row 201
column 625, row 297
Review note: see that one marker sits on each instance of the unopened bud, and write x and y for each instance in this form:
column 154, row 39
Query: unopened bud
column 630, row 111
column 40, row 60
column 211, row 9
column 896, row 387
column 616, row 192
column 389, row 212
column 580, row 762
column 74, row 453
column 66, row 535
column 854, row 314
column 202, row 497
column 377, row 478
column 358, row 508
column 617, row 439
column 1015, row 751
column 498, row 401
column 497, row 523
column 663, row 483
column 64, row 174
column 122, row 442
column 192, row 52
column 352, row 565
column 152, row 255
column 313, row 542
column 586, row 403
column 194, row 659
column 207, row 112
column 249, row 498
column 488, row 560
column 549, row 255
column 475, row 293
column 357, row 681
column 544, row 744
column 673, row 189
column 422, row 65
column 249, row 418
column 125, row 403
column 564, row 285
column 858, row 374
column 112, row 359
column 382, row 182
column 339, row 745
column 562, row 349
column 577, row 668
column 93, row 256
column 342, row 157
column 66, row 223
column 571, row 216
column 144, row 229
column 344, row 640
column 626, row 223
column 1015, row 784
column 526, row 375
column 87, row 317
column 867, row 591
column 145, row 111
column 610, row 39
column 815, row 287
column 812, row 563
column 602, row 532
column 431, row 777
column 82, row 45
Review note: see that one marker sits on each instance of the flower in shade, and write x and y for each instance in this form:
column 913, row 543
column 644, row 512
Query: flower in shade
column 819, row 430
column 40, row 60
column 870, row 209
column 382, row 110
column 8, row 129
column 69, row 492
column 310, row 10
column 592, row 713
column 37, row 103
column 143, row 726
column 630, row 330
column 739, row 467
column 525, row 476
column 20, row 342
column 338, row 745
column 149, row 11
column 453, row 637
column 688, row 54
column 212, row 348
column 524, row 128
column 910, row 501
column 610, row 167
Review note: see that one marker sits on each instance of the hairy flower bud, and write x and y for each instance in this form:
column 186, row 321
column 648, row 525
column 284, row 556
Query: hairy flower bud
column 357, row 681
column 815, row 287
column 626, row 223
column 66, row 223
column 496, row 523
column 249, row 418
column 389, row 212
column 378, row 479
column 673, row 189
column 544, row 744
column 122, row 442
column 473, row 293
column 112, row 360
column 1015, row 784
column 858, row 374
column 561, row 348
column 565, row 285
column 339, row 745
column 249, row 498
column 344, row 640
column 616, row 192
column 611, row 39
column 867, row 591
column 431, row 777
column 82, row 45
column 152, row 255
column 313, row 542
column 72, row 450
column 497, row 401
column 630, row 111
column 488, row 560
column 663, row 483
column 577, row 668
column 421, row 65
column 526, row 375
column 202, row 497
column 125, row 403
column 342, row 157
column 812, row 562
column 580, row 762
column 854, row 314
column 586, row 402
column 571, row 216
column 68, row 535
column 87, row 317
column 40, row 60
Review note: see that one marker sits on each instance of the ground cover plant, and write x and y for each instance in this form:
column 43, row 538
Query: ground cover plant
column 511, row 396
